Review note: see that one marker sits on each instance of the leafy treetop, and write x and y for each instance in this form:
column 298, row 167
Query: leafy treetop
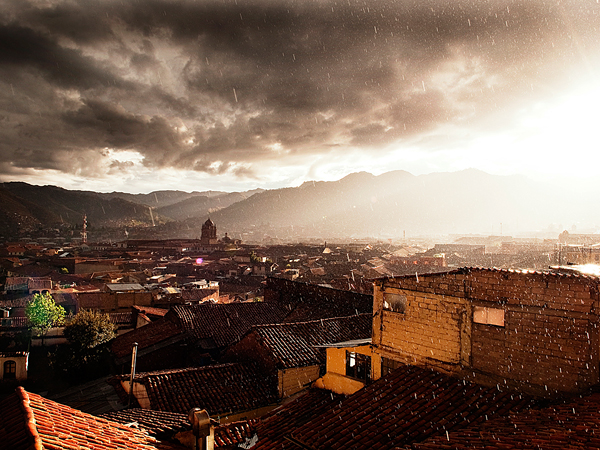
column 88, row 329
column 43, row 313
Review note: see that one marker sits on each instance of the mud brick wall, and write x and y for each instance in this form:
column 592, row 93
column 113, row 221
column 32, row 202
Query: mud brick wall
column 550, row 334
column 434, row 328
column 549, row 338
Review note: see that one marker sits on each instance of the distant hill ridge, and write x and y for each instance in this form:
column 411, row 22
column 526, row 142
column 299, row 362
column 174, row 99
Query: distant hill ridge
column 358, row 205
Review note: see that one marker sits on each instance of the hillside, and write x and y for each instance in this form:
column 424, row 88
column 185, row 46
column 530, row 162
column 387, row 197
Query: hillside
column 200, row 205
column 52, row 206
column 358, row 205
column 362, row 205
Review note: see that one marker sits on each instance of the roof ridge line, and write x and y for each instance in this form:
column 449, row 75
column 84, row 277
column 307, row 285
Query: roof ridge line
column 30, row 418
column 325, row 319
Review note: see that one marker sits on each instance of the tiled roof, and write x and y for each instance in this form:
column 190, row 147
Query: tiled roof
column 29, row 421
column 572, row 425
column 293, row 344
column 150, row 311
column 94, row 397
column 464, row 270
column 120, row 287
column 20, row 302
column 307, row 301
column 197, row 294
column 221, row 325
column 146, row 336
column 274, row 427
column 64, row 298
column 233, row 433
column 16, row 283
column 157, row 423
column 220, row 389
column 406, row 406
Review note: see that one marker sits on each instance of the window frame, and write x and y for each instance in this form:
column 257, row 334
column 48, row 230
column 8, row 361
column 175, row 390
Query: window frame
column 486, row 315
column 358, row 366
column 10, row 370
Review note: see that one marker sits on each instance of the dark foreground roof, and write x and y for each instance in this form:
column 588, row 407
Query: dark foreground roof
column 220, row 389
column 273, row 430
column 29, row 421
column 160, row 424
column 408, row 405
column 571, row 425
column 294, row 344
column 220, row 325
column 153, row 334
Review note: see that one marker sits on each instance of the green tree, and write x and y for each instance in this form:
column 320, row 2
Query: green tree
column 89, row 329
column 86, row 353
column 43, row 313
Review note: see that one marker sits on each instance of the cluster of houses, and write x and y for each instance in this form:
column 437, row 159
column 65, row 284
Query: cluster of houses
column 448, row 357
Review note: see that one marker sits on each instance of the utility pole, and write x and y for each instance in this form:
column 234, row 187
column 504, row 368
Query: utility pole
column 133, row 361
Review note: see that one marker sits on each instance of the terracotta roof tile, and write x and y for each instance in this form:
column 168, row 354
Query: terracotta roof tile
column 273, row 428
column 408, row 405
column 463, row 270
column 29, row 421
column 146, row 336
column 150, row 311
column 197, row 294
column 220, row 389
column 234, row 433
column 571, row 425
column 221, row 325
column 293, row 344
column 156, row 423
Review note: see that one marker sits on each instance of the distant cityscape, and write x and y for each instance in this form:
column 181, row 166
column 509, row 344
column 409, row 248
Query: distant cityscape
column 296, row 327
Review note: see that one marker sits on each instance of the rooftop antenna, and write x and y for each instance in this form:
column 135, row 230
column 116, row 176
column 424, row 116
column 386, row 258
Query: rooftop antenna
column 151, row 215
column 84, row 232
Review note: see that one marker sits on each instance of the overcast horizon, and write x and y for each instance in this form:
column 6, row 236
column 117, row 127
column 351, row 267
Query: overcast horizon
column 207, row 95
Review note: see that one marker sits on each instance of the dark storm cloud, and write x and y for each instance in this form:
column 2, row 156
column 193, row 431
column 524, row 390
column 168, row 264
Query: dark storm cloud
column 22, row 48
column 212, row 85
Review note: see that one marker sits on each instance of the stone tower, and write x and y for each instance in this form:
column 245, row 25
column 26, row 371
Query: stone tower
column 209, row 233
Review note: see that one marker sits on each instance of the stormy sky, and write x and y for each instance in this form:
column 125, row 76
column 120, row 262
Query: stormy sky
column 230, row 95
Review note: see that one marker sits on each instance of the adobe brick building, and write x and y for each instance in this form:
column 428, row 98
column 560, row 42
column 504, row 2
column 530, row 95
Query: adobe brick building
column 537, row 331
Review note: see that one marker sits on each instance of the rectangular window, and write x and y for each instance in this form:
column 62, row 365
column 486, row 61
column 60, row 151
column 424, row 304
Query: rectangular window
column 358, row 366
column 488, row 316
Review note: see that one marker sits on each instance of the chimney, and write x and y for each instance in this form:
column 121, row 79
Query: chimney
column 203, row 428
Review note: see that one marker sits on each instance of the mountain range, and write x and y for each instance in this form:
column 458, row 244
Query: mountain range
column 359, row 205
